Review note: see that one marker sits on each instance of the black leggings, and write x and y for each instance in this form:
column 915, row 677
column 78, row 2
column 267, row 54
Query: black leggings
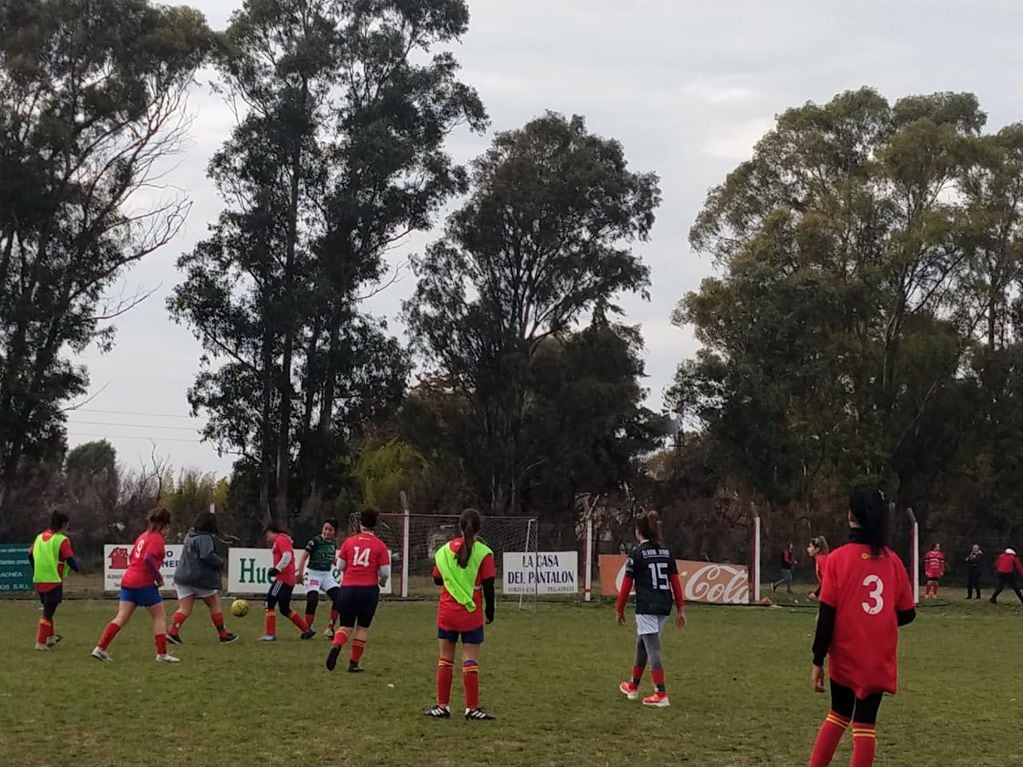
column 860, row 710
column 312, row 598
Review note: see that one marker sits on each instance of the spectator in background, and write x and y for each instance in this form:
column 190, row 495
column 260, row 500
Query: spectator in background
column 787, row 563
column 934, row 568
column 1009, row 569
column 974, row 560
column 818, row 550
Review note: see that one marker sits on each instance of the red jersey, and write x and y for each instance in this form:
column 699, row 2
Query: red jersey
column 867, row 593
column 65, row 554
column 140, row 572
column 1007, row 563
column 934, row 564
column 818, row 567
column 451, row 616
column 363, row 554
column 282, row 545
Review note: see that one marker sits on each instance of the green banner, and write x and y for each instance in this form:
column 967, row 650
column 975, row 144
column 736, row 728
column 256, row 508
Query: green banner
column 15, row 571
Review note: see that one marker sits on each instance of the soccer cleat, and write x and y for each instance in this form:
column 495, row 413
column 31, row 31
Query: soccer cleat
column 101, row 654
column 228, row 638
column 353, row 667
column 42, row 647
column 332, row 657
column 268, row 638
column 174, row 638
column 167, row 658
column 629, row 690
column 53, row 640
column 309, row 634
column 478, row 715
column 329, row 633
column 439, row 712
column 657, row 700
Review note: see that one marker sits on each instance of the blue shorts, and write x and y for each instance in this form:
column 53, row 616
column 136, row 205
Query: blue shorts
column 147, row 596
column 468, row 637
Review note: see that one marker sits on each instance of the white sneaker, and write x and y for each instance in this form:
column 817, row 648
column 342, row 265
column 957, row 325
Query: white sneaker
column 42, row 646
column 101, row 654
column 167, row 658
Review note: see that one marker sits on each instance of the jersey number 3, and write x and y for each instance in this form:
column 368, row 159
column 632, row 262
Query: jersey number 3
column 361, row 558
column 876, row 603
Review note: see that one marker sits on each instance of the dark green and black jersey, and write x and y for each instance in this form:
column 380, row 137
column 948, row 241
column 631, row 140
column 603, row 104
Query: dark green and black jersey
column 321, row 554
column 651, row 566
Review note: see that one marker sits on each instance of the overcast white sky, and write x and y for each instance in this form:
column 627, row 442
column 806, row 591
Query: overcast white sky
column 688, row 87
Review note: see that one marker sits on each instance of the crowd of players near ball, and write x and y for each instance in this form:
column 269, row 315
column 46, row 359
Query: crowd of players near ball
column 464, row 570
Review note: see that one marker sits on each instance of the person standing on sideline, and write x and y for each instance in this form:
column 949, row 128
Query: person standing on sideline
column 140, row 587
column 787, row 563
column 934, row 568
column 278, row 596
column 818, row 550
column 318, row 555
column 49, row 554
column 974, row 560
column 653, row 570
column 464, row 569
column 1009, row 570
column 864, row 599
column 198, row 577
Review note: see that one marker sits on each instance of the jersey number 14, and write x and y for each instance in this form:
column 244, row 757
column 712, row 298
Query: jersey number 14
column 361, row 558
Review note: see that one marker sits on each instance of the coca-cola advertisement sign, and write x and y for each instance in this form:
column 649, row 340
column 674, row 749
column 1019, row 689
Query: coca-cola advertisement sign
column 711, row 582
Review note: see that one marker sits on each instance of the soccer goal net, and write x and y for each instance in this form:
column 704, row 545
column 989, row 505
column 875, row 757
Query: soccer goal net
column 414, row 539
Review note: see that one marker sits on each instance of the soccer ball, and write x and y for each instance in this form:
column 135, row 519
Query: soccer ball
column 239, row 608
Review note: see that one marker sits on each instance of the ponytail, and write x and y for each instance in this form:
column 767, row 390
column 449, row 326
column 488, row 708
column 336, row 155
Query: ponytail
column 469, row 523
column 648, row 525
column 821, row 544
column 870, row 510
column 158, row 518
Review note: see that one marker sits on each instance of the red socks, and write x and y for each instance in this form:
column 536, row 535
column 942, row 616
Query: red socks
column 358, row 648
column 864, row 744
column 161, row 644
column 309, row 618
column 828, row 737
column 45, row 630
column 657, row 674
column 270, row 623
column 298, row 621
column 445, row 673
column 333, row 618
column 637, row 674
column 176, row 622
column 218, row 623
column 341, row 637
column 108, row 635
column 471, row 682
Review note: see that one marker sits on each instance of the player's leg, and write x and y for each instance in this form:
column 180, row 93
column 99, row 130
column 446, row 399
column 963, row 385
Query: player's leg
column 843, row 703
column 46, row 638
column 158, row 612
column 630, row 687
column 348, row 607
column 217, row 618
column 125, row 608
column 1014, row 582
column 312, row 599
column 471, row 642
column 284, row 605
column 864, row 730
column 269, row 613
column 335, row 596
column 445, row 673
column 652, row 642
column 186, row 600
column 368, row 600
column 1002, row 580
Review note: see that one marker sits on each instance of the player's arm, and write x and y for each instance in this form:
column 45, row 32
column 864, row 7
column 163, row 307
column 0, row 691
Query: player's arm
column 383, row 566
column 67, row 555
column 303, row 558
column 208, row 552
column 280, row 564
column 438, row 579
column 623, row 592
column 341, row 560
column 489, row 599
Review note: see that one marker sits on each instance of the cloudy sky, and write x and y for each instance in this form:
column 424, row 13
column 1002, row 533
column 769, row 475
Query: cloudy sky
column 687, row 87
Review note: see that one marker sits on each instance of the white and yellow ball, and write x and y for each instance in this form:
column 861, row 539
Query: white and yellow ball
column 239, row 608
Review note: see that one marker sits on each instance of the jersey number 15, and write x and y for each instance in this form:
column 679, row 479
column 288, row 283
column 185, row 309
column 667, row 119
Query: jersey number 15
column 659, row 576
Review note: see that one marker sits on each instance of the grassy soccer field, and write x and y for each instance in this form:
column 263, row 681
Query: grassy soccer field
column 738, row 679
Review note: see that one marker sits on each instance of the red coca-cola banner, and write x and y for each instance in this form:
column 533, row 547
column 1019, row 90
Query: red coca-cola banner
column 701, row 581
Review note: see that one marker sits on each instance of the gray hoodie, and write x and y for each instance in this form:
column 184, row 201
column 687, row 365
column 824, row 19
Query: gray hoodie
column 200, row 565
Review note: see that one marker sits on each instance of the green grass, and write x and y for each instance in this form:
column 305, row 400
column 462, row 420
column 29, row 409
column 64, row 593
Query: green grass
column 738, row 678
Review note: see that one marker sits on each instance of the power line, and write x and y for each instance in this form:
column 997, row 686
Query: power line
column 134, row 425
column 132, row 437
column 127, row 412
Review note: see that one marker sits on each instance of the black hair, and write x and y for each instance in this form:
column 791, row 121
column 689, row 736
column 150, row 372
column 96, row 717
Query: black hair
column 870, row 510
column 469, row 523
column 368, row 517
column 206, row 522
column 649, row 526
column 157, row 518
column 273, row 526
column 57, row 520
column 820, row 543
column 332, row 521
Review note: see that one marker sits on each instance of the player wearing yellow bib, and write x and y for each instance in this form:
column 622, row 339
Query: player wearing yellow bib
column 49, row 553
